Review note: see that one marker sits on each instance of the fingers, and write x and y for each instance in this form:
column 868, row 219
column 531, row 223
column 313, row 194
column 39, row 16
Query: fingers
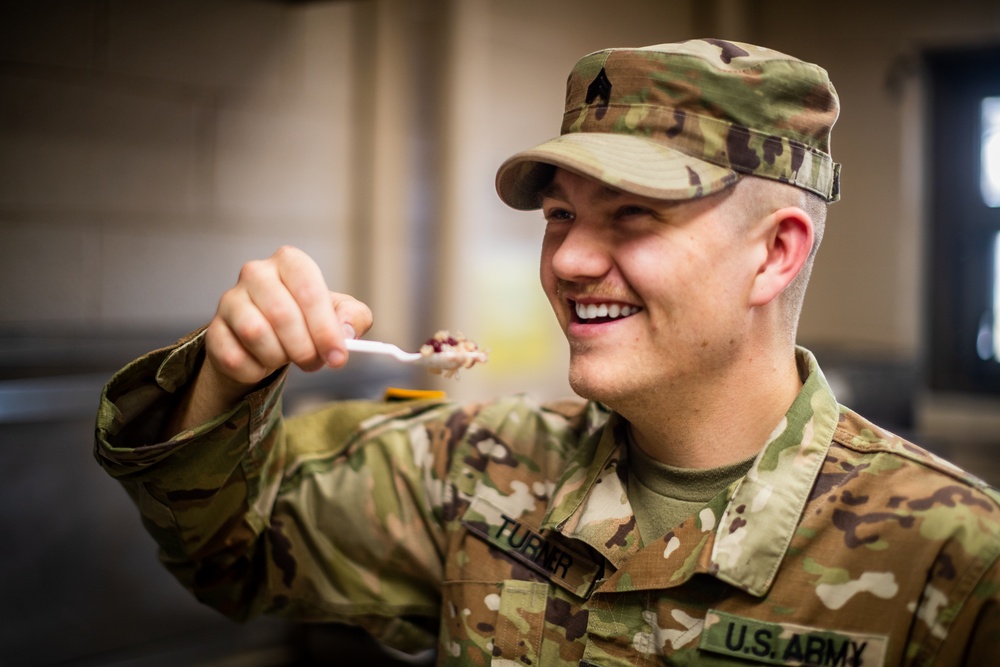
column 281, row 312
column 287, row 295
column 227, row 355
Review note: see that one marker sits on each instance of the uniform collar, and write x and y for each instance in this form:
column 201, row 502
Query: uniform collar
column 752, row 530
column 590, row 502
column 761, row 517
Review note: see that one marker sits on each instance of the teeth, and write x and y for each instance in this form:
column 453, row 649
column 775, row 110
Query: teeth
column 592, row 310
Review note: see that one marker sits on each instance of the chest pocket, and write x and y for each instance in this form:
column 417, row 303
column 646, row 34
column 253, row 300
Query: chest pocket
column 502, row 573
column 520, row 623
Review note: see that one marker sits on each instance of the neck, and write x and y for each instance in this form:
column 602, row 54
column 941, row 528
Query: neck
column 720, row 420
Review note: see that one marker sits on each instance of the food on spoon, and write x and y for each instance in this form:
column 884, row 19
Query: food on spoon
column 451, row 352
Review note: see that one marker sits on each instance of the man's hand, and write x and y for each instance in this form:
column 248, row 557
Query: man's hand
column 280, row 312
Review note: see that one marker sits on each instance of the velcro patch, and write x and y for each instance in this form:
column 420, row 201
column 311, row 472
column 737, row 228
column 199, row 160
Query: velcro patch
column 788, row 644
column 538, row 551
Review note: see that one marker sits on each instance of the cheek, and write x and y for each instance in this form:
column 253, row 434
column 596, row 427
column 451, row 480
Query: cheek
column 653, row 272
column 680, row 280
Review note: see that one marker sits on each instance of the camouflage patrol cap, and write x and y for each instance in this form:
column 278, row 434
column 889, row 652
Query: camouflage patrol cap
column 679, row 121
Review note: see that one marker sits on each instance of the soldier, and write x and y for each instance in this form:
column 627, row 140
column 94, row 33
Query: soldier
column 709, row 502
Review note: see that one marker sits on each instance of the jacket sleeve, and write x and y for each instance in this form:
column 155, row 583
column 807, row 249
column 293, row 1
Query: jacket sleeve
column 334, row 516
column 979, row 622
column 964, row 629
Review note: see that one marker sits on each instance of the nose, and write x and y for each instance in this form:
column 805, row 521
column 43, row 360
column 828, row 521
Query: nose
column 581, row 252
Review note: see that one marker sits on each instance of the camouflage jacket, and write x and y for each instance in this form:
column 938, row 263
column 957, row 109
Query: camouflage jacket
column 503, row 532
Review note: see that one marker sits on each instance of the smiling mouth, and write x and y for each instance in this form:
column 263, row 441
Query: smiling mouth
column 597, row 313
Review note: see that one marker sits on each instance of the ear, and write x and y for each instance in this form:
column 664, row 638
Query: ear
column 788, row 238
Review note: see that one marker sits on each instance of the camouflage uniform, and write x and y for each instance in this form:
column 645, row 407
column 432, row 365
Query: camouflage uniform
column 508, row 524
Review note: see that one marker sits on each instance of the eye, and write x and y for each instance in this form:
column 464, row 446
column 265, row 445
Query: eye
column 631, row 210
column 557, row 214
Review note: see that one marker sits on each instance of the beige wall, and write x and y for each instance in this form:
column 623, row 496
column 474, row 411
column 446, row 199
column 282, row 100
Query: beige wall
column 148, row 148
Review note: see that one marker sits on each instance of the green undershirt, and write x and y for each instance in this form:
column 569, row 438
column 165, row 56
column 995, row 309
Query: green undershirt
column 663, row 496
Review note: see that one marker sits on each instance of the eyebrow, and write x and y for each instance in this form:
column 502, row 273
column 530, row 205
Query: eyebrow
column 551, row 191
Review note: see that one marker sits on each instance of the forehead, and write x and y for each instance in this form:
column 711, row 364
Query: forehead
column 567, row 186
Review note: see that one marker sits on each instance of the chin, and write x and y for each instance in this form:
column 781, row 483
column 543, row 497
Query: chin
column 596, row 384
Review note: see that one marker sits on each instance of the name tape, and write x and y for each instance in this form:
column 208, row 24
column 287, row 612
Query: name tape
column 536, row 550
column 787, row 644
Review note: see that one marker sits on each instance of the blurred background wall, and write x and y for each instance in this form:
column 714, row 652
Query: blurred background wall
column 150, row 147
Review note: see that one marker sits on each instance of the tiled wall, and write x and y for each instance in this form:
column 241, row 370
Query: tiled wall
column 148, row 148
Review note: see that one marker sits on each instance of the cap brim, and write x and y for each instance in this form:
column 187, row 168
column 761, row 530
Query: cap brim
column 624, row 162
